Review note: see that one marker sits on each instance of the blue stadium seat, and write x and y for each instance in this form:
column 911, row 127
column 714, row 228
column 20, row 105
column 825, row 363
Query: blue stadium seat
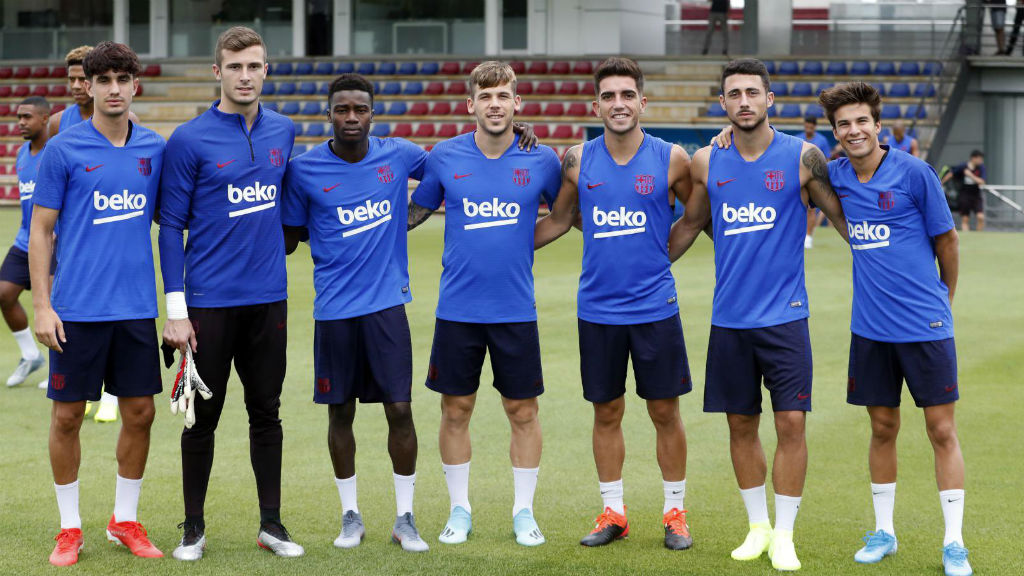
column 298, row 149
column 391, row 88
column 801, row 89
column 303, row 68
column 773, row 111
column 813, row 68
column 716, row 111
column 788, row 68
column 366, row 68
column 407, row 68
column 780, row 88
column 380, row 130
column 269, row 89
column 836, row 69
column 881, row 88
column 283, row 69
column 884, row 135
column 324, row 69
column 306, row 88
column 386, row 68
column 429, row 68
column 791, row 111
column 885, row 69
column 398, row 108
column 290, row 108
column 770, row 66
column 910, row 69
column 413, row 88
column 822, row 86
column 345, row 68
column 376, row 87
column 298, row 129
column 899, row 90
column 814, row 110
column 932, row 68
column 286, row 88
column 312, row 109
column 924, row 89
column 378, row 108
column 915, row 111
column 860, row 69
column 325, row 88
column 891, row 111
column 315, row 130
column 270, row 106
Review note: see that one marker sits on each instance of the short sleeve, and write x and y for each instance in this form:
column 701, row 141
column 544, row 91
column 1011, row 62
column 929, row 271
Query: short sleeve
column 178, row 180
column 430, row 191
column 294, row 205
column 415, row 158
column 931, row 200
column 52, row 178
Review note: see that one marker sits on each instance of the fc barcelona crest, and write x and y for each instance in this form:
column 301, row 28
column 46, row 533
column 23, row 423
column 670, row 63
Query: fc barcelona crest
column 774, row 180
column 384, row 174
column 145, row 166
column 276, row 157
column 521, row 176
column 886, row 200
column 644, row 184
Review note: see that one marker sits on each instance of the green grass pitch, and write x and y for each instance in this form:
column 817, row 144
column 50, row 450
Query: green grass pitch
column 836, row 507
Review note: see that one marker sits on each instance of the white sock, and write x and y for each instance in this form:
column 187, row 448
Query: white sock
column 756, row 501
column 108, row 398
column 675, row 494
column 347, row 493
column 611, row 493
column 457, row 478
column 27, row 343
column 786, row 508
column 524, row 481
column 953, row 513
column 884, row 498
column 67, row 504
column 126, row 499
column 405, row 488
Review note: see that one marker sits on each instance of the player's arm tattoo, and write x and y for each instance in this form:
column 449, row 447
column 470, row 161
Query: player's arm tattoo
column 820, row 191
column 417, row 215
column 570, row 163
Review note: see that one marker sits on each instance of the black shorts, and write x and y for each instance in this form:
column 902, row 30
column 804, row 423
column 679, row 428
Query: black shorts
column 368, row 357
column 971, row 202
column 121, row 357
column 457, row 357
column 658, row 352
column 878, row 369
column 15, row 268
column 739, row 359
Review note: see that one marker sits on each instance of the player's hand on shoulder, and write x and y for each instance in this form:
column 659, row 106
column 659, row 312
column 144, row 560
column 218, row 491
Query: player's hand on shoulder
column 527, row 139
column 49, row 329
column 724, row 138
column 179, row 334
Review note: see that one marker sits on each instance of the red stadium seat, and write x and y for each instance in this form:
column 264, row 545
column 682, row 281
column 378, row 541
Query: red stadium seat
column 3, row 168
column 6, row 72
column 457, row 87
column 419, row 109
column 450, row 68
column 537, row 67
column 569, row 88
column 57, row 108
column 5, row 91
column 577, row 109
column 459, row 108
column 467, row 69
column 3, row 149
column 22, row 73
column 545, row 88
column 580, row 133
column 139, row 91
column 59, row 72
column 467, row 128
column 40, row 90
column 541, row 131
column 519, row 67
column 21, row 91
column 531, row 109
column 524, row 88
column 434, row 89
column 5, row 109
column 4, row 131
column 41, row 72
column 583, row 67
column 448, row 131
column 554, row 109
column 152, row 70
column 425, row 131
column 562, row 132
column 58, row 91
column 402, row 130
column 559, row 68
column 441, row 109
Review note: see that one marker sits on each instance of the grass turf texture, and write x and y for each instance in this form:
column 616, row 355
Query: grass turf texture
column 837, row 503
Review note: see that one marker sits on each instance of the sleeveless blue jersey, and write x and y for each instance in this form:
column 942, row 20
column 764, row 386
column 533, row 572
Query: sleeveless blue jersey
column 759, row 223
column 626, row 277
column 72, row 115
column 27, row 167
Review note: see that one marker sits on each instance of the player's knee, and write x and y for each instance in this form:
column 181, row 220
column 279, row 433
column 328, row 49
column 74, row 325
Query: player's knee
column 789, row 426
column 341, row 415
column 942, row 433
column 608, row 415
column 521, row 413
column 399, row 416
column 8, row 296
column 67, row 420
column 663, row 413
column 456, row 410
column 137, row 416
column 885, row 429
column 743, row 427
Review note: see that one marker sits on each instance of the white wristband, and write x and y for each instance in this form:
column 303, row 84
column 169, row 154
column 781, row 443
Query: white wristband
column 176, row 307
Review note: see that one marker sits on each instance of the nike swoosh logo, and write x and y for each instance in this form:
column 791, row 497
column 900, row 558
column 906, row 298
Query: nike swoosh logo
column 843, row 195
column 802, row 396
column 677, row 491
column 877, row 493
column 603, row 492
column 458, row 176
column 91, row 168
column 223, row 164
column 724, row 182
column 592, row 186
column 951, row 500
column 331, row 188
column 950, row 388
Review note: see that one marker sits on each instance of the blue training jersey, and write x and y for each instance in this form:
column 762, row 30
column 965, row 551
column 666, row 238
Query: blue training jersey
column 106, row 196
column 892, row 218
column 222, row 182
column 759, row 222
column 490, row 213
column 72, row 115
column 27, row 166
column 902, row 145
column 626, row 276
column 357, row 219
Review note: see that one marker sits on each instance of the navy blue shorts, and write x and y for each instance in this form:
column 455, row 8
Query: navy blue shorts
column 878, row 369
column 121, row 357
column 457, row 357
column 739, row 359
column 367, row 357
column 15, row 268
column 657, row 350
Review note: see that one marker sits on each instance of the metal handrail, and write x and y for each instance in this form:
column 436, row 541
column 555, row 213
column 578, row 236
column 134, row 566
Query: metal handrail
column 994, row 190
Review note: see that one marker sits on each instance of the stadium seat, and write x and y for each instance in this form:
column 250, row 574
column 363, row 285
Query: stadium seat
column 140, row 90
column 899, row 90
column 554, row 109
column 915, row 111
column 583, row 67
column 345, row 68
column 4, row 131
column 434, row 89
column 5, row 91
column 537, row 67
column 6, row 72
column 57, row 108
column 885, row 69
column 429, row 68
column 41, row 72
column 303, row 68
column 425, row 131
column 468, row 67
column 467, row 128
column 272, row 106
column 306, row 88
column 323, row 69
column 378, row 108
column 269, row 89
column 419, row 109
column 881, row 88
column 562, row 132
column 403, row 130
column 413, row 88
column 801, row 89
column 770, row 66
column 577, row 109
column 391, row 89
column 407, row 69
column 790, row 111
column 22, row 73
column 541, row 131
column 814, row 110
column 860, row 69
column 531, row 109
column 150, row 70
column 366, row 68
column 3, row 169
column 822, row 86
column 459, row 108
column 20, row 91
column 312, row 109
column 524, row 88
column 559, row 68
column 773, row 111
column 298, row 128
column 836, row 69
column 40, row 90
column 780, row 88
column 890, row 111
column 324, row 89
column 924, row 90
column 450, row 68
column 909, row 69
column 441, row 109
column 813, row 68
column 316, row 129
column 397, row 108
column 286, row 88
column 60, row 90
column 290, row 108
column 3, row 150
column 456, row 88
column 448, row 131
column 716, row 111
column 518, row 66
column 932, row 68
column 5, row 110
column 388, row 68
column 545, row 88
column 380, row 130
column 62, row 72
column 283, row 69
column 788, row 68
column 569, row 88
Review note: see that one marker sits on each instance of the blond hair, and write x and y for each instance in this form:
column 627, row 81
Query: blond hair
column 76, row 56
column 236, row 39
column 490, row 74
